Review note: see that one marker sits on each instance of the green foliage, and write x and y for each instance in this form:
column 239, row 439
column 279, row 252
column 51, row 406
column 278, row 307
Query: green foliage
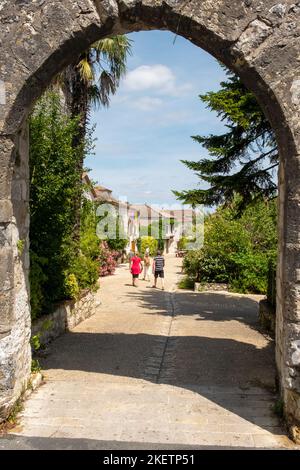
column 47, row 324
column 243, row 158
column 35, row 342
column 148, row 242
column 71, row 286
column 156, row 230
column 121, row 240
column 17, row 408
column 60, row 267
column 186, row 283
column 83, row 271
column 115, row 221
column 53, row 189
column 182, row 243
column 118, row 244
column 20, row 246
column 35, row 366
column 37, row 279
column 251, row 271
column 193, row 264
column 236, row 250
column 98, row 71
column 89, row 242
column 86, row 271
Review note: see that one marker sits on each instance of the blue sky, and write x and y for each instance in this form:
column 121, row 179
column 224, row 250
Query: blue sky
column 146, row 130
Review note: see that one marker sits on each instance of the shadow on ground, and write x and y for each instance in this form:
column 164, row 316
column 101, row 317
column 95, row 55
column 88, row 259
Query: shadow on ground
column 210, row 306
column 14, row 442
column 199, row 363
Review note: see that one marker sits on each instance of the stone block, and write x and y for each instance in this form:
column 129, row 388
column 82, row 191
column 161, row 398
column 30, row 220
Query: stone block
column 6, row 311
column 66, row 316
column 6, row 268
column 292, row 338
column 255, row 34
column 5, row 210
column 6, row 170
column 290, row 303
column 5, row 235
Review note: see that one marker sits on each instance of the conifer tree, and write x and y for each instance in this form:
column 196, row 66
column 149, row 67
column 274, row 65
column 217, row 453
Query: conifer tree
column 242, row 160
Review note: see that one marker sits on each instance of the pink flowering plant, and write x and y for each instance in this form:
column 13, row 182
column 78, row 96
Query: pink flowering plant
column 107, row 260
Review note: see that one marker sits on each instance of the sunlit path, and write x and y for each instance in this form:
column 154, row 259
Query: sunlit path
column 155, row 368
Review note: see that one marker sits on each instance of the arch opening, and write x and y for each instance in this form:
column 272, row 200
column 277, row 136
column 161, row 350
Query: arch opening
column 258, row 47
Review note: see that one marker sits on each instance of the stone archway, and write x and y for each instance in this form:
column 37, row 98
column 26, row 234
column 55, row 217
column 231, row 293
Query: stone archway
column 258, row 40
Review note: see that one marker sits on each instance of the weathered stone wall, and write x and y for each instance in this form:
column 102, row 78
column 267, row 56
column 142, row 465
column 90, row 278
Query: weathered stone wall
column 15, row 353
column 65, row 317
column 258, row 39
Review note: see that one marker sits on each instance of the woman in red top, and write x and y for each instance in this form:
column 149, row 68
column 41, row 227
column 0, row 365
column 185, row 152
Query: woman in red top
column 136, row 268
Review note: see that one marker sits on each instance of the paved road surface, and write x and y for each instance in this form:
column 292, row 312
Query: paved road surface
column 156, row 369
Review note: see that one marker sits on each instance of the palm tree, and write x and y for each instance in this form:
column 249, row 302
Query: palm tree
column 89, row 82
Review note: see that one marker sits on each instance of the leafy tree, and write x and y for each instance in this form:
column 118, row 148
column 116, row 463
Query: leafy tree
column 158, row 229
column 242, row 159
column 113, row 221
column 120, row 242
column 147, row 242
column 237, row 250
column 182, row 243
column 89, row 82
column 53, row 177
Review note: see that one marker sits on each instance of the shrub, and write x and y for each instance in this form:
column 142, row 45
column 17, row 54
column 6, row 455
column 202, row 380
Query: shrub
column 53, row 189
column 250, row 274
column 186, row 283
column 148, row 242
column 107, row 260
column 35, row 366
column 192, row 265
column 71, row 286
column 182, row 243
column 86, row 271
column 35, row 342
column 60, row 264
column 237, row 250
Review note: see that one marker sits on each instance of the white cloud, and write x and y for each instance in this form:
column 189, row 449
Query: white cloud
column 148, row 77
column 154, row 77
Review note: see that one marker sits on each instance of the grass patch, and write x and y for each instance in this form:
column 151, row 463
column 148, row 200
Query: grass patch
column 17, row 408
column 12, row 419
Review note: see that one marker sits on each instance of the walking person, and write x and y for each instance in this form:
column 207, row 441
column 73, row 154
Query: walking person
column 136, row 268
column 147, row 265
column 158, row 269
